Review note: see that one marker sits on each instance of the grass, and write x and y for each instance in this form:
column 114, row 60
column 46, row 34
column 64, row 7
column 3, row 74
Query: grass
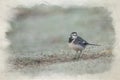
column 57, row 58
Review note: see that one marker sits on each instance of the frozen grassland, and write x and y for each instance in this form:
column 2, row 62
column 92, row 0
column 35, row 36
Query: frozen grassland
column 39, row 39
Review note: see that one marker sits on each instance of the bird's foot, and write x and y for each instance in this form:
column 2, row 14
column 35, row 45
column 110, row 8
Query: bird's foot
column 76, row 58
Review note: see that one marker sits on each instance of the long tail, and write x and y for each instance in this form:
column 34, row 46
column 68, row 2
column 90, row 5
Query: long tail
column 93, row 44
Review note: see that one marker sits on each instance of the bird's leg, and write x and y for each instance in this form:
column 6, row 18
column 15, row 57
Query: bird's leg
column 80, row 54
column 76, row 55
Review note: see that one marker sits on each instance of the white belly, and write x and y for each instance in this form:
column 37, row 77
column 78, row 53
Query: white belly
column 75, row 47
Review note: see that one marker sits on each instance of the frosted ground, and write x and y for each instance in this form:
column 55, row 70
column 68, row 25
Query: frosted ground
column 40, row 34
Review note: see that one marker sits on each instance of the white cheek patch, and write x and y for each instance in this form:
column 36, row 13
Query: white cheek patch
column 74, row 37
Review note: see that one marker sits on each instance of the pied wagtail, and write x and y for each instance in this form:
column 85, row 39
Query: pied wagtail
column 78, row 44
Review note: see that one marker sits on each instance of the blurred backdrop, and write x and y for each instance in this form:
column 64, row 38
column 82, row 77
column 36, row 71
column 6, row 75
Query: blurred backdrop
column 44, row 30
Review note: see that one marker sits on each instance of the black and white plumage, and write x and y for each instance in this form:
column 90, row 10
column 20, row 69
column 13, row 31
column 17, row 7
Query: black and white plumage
column 77, row 43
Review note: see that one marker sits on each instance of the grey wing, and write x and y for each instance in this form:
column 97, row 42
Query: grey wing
column 80, row 41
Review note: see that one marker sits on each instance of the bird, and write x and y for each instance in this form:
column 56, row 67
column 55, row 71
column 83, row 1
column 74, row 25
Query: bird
column 78, row 44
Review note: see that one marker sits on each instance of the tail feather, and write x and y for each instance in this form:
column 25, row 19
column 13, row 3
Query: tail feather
column 93, row 44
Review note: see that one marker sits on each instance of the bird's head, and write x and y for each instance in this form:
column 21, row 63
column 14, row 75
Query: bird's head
column 73, row 35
